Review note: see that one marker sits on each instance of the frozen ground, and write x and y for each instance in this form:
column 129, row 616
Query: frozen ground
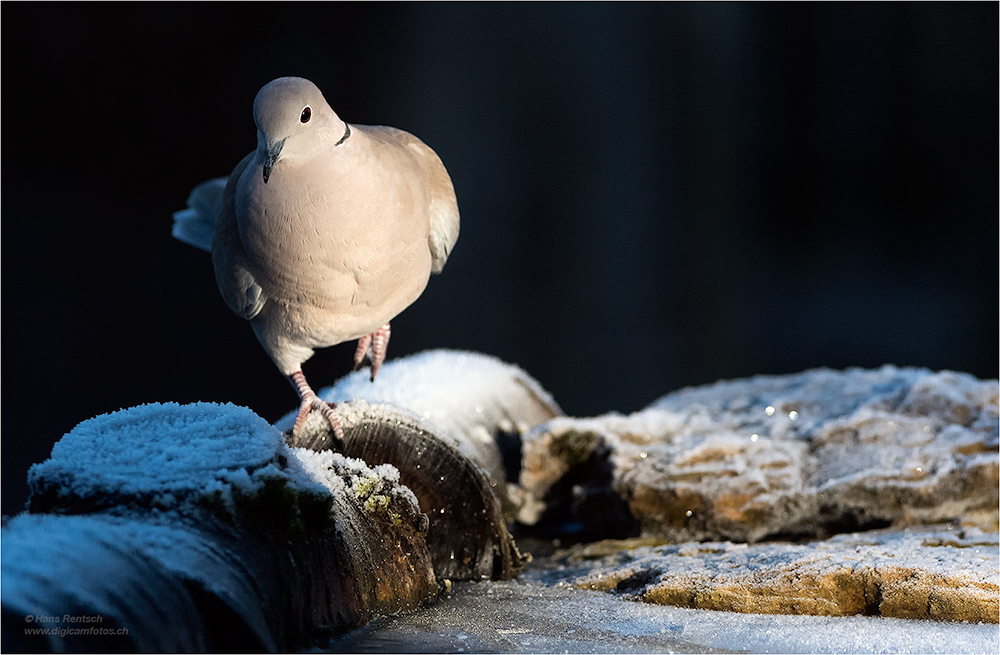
column 156, row 457
column 525, row 616
column 536, row 615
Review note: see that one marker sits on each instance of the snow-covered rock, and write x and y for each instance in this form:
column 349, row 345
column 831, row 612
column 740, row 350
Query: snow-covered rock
column 811, row 454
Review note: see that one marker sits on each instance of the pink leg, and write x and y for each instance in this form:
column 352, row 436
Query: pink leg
column 362, row 351
column 380, row 343
column 373, row 346
column 311, row 401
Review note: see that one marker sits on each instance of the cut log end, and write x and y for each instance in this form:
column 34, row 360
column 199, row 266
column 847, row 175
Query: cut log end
column 467, row 536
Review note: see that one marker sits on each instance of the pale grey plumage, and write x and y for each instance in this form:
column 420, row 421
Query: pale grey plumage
column 326, row 231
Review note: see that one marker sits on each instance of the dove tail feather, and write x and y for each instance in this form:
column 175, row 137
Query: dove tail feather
column 196, row 224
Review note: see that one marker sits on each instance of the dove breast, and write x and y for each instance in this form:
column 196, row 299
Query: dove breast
column 340, row 239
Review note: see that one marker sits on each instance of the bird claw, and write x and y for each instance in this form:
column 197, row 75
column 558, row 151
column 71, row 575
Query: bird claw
column 373, row 346
column 309, row 402
column 329, row 412
column 364, row 343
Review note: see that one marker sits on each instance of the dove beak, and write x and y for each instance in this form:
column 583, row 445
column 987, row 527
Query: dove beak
column 273, row 152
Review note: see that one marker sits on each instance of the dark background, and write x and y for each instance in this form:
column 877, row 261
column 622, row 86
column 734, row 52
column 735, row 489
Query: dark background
column 652, row 196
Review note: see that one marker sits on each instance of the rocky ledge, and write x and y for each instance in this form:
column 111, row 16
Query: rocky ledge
column 796, row 456
column 942, row 573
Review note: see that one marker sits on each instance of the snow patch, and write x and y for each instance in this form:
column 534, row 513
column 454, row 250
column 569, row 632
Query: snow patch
column 164, row 456
column 374, row 487
column 444, row 387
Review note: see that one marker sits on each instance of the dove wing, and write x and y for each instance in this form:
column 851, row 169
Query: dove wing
column 444, row 211
column 238, row 288
column 444, row 206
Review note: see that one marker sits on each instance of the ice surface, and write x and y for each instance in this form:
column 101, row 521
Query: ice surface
column 527, row 617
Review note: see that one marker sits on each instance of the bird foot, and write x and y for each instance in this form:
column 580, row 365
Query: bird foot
column 311, row 401
column 364, row 345
column 373, row 346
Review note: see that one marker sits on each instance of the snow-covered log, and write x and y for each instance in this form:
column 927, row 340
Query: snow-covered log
column 451, row 422
column 195, row 527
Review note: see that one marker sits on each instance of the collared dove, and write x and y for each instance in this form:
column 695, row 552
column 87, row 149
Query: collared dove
column 324, row 233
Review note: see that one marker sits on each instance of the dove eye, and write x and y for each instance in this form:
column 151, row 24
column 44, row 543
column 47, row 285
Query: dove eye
column 306, row 115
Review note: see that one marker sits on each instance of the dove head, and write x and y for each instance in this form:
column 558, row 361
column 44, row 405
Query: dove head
column 292, row 119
